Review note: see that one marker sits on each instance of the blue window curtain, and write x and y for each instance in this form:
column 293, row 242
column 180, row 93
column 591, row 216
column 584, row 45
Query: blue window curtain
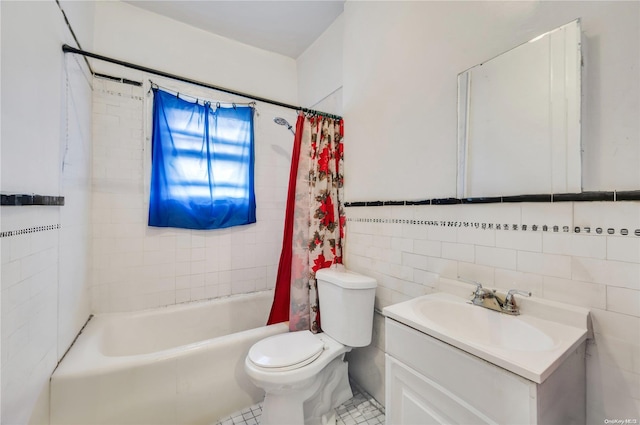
column 202, row 164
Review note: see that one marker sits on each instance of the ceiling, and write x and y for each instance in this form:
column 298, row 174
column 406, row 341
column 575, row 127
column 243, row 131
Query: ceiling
column 285, row 27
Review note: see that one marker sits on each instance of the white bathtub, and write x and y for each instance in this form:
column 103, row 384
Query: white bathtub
column 174, row 365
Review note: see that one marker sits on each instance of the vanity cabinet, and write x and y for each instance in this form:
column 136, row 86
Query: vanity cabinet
column 431, row 382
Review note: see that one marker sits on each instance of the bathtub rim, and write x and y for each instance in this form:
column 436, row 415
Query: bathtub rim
column 85, row 355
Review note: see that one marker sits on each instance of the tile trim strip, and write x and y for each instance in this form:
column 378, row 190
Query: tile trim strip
column 28, row 230
column 500, row 226
column 26, row 200
column 603, row 196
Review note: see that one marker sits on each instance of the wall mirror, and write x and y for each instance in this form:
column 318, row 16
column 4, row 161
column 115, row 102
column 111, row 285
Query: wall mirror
column 519, row 119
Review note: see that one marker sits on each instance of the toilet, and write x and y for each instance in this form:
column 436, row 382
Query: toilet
column 304, row 375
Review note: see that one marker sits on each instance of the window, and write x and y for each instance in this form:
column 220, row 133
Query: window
column 202, row 164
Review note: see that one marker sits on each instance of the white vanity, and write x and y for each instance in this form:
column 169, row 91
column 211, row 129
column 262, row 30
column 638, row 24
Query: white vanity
column 451, row 362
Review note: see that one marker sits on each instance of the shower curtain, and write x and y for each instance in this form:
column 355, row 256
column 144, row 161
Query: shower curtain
column 314, row 221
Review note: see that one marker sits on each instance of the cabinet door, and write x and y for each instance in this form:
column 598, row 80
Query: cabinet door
column 413, row 399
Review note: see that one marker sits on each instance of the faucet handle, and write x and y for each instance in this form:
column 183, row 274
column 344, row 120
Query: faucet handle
column 517, row 291
column 479, row 294
column 510, row 302
column 472, row 282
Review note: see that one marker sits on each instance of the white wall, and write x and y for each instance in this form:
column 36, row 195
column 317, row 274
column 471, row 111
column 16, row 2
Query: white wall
column 320, row 71
column 400, row 70
column 401, row 61
column 45, row 124
column 132, row 34
column 136, row 266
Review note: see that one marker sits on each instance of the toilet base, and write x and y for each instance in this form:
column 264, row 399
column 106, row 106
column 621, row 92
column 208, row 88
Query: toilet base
column 313, row 404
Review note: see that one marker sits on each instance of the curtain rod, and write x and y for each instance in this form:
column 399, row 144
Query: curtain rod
column 68, row 49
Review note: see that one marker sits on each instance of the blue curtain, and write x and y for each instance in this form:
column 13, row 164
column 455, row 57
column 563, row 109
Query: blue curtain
column 202, row 165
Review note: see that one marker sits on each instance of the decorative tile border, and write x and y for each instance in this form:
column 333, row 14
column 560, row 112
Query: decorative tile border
column 28, row 230
column 500, row 226
column 25, row 200
column 613, row 196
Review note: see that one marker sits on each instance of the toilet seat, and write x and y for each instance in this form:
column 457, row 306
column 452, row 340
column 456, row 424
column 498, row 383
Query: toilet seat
column 286, row 351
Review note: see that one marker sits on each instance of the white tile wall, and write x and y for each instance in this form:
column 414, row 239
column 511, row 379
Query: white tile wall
column 43, row 272
column 598, row 271
column 29, row 276
column 136, row 266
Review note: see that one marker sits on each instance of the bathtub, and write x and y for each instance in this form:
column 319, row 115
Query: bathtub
column 182, row 364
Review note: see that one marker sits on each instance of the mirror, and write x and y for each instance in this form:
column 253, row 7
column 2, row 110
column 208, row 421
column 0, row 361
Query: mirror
column 519, row 119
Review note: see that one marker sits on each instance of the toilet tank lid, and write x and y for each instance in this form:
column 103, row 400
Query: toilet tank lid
column 346, row 279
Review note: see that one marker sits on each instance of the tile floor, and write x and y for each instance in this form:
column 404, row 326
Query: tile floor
column 362, row 409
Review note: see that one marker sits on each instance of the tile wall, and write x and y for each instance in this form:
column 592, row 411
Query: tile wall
column 589, row 255
column 136, row 266
column 29, row 306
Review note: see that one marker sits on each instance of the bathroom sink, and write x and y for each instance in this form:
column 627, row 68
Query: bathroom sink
column 531, row 345
column 482, row 326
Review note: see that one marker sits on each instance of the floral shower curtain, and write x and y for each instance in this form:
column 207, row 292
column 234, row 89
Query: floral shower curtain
column 314, row 222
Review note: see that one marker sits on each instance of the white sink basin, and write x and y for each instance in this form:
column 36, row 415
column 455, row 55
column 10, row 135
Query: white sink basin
column 532, row 344
column 476, row 324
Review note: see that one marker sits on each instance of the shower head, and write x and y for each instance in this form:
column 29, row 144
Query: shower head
column 282, row 121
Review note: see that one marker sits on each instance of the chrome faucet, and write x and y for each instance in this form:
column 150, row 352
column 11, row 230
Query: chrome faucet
column 484, row 297
column 489, row 298
column 510, row 306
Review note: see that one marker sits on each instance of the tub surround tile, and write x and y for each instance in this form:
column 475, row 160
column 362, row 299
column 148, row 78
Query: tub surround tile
column 119, row 214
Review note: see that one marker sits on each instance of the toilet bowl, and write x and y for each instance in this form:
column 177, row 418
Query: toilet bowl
column 305, row 375
column 302, row 386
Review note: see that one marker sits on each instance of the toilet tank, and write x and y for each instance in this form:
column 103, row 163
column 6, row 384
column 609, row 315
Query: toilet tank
column 346, row 305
